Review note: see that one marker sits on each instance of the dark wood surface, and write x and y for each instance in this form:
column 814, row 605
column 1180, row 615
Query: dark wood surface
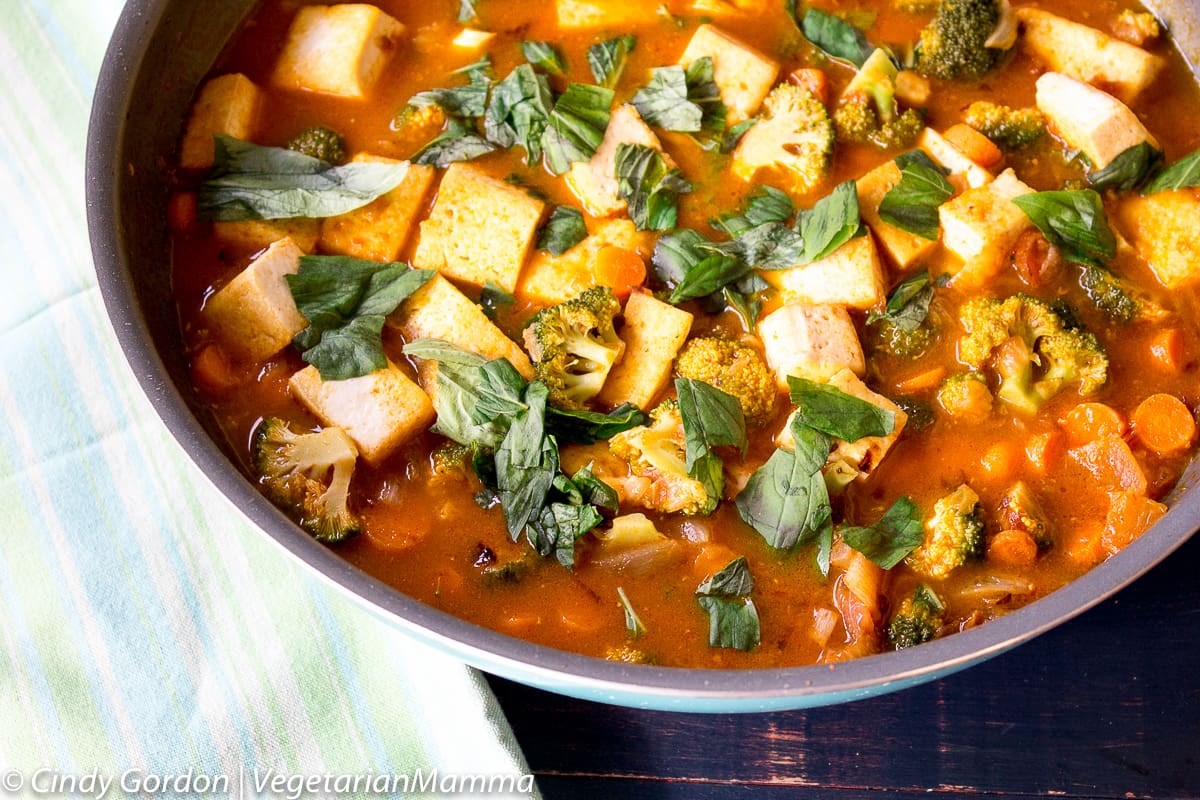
column 1105, row 706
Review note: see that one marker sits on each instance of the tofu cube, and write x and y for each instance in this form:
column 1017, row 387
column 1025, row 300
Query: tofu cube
column 550, row 279
column 1088, row 55
column 742, row 74
column 810, row 341
column 252, row 235
column 612, row 15
column 472, row 40
column 1164, row 228
column 339, row 50
column 904, row 248
column 963, row 171
column 1089, row 119
column 227, row 104
column 379, row 230
column 653, row 332
column 594, row 182
column 438, row 310
column 254, row 316
column 857, row 459
column 981, row 226
column 851, row 276
column 480, row 229
column 379, row 411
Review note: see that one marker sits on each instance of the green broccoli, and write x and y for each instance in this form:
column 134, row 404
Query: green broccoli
column 1020, row 510
column 953, row 535
column 320, row 143
column 965, row 396
column 954, row 45
column 917, row 620
column 888, row 337
column 308, row 473
column 792, row 141
column 735, row 368
column 868, row 112
column 573, row 345
column 1119, row 301
column 657, row 451
column 1010, row 128
column 1036, row 354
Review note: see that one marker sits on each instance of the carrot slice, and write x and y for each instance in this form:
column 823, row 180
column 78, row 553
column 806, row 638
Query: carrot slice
column 1088, row 422
column 1166, row 348
column 212, row 372
column 619, row 269
column 1129, row 515
column 973, row 144
column 1012, row 548
column 1164, row 423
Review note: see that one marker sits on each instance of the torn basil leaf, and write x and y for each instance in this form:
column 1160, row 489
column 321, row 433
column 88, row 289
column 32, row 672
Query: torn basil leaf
column 563, row 230
column 576, row 126
column 607, row 59
column 832, row 221
column 908, row 304
column 1128, row 169
column 467, row 11
column 585, row 427
column 786, row 499
column 519, row 111
column 729, row 141
column 633, row 623
column 459, row 375
column 1073, row 221
column 733, row 619
column 544, row 55
column 1183, row 174
column 912, row 204
column 711, row 418
column 886, row 543
column 345, row 301
column 249, row 181
column 650, row 188
column 681, row 100
column 460, row 101
column 492, row 297
column 831, row 411
column 836, row 37
column 458, row 142
column 690, row 263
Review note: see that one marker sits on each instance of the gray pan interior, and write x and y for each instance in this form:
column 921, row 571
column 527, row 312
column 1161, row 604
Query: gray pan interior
column 159, row 53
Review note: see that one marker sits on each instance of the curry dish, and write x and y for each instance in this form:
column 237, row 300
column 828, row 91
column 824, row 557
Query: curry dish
column 709, row 333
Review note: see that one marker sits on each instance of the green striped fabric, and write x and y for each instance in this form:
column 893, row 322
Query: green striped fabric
column 147, row 632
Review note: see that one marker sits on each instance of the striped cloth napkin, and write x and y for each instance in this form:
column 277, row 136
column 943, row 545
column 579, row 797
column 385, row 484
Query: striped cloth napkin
column 147, row 632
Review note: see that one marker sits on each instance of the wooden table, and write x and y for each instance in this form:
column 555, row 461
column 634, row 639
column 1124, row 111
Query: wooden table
column 1105, row 706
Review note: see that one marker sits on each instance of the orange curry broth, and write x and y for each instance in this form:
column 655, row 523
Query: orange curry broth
column 424, row 537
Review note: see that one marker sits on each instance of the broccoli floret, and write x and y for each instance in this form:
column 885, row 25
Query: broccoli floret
column 1020, row 510
column 792, row 141
column 1010, row 128
column 890, row 338
column 656, row 451
column 1036, row 354
column 917, row 620
column 415, row 127
column 308, row 473
column 735, row 368
column 1119, row 301
column 573, row 345
column 965, row 396
column 953, row 45
column 868, row 113
column 320, row 143
column 953, row 535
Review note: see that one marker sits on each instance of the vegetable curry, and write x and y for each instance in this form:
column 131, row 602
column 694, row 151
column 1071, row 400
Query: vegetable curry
column 713, row 333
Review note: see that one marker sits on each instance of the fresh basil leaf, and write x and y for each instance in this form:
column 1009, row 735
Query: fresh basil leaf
column 558, row 526
column 563, row 230
column 457, row 143
column 897, row 533
column 729, row 141
column 912, row 204
column 766, row 205
column 1128, row 169
column 467, row 11
column 544, row 55
column 585, row 427
column 842, row 416
column 649, row 188
column 1072, row 221
column 519, row 111
column 832, row 221
column 249, row 181
column 836, row 37
column 345, row 301
column 745, row 304
column 825, row 550
column 500, row 394
column 1183, row 174
column 633, row 623
column 607, row 59
column 681, row 100
column 760, row 237
column 908, row 305
column 577, row 125
column 733, row 619
column 459, row 375
column 786, row 499
column 711, row 418
column 526, row 463
column 492, row 297
column 595, row 491
column 460, row 101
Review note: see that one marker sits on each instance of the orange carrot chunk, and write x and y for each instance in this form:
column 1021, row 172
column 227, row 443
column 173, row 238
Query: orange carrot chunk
column 1166, row 348
column 1164, row 424
column 973, row 144
column 1088, row 422
column 1012, row 548
column 619, row 269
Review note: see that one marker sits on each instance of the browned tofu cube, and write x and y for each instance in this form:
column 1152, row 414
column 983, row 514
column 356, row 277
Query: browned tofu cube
column 252, row 235
column 339, row 50
column 1164, row 228
column 653, row 332
column 253, row 316
column 742, row 74
column 379, row 230
column 227, row 104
